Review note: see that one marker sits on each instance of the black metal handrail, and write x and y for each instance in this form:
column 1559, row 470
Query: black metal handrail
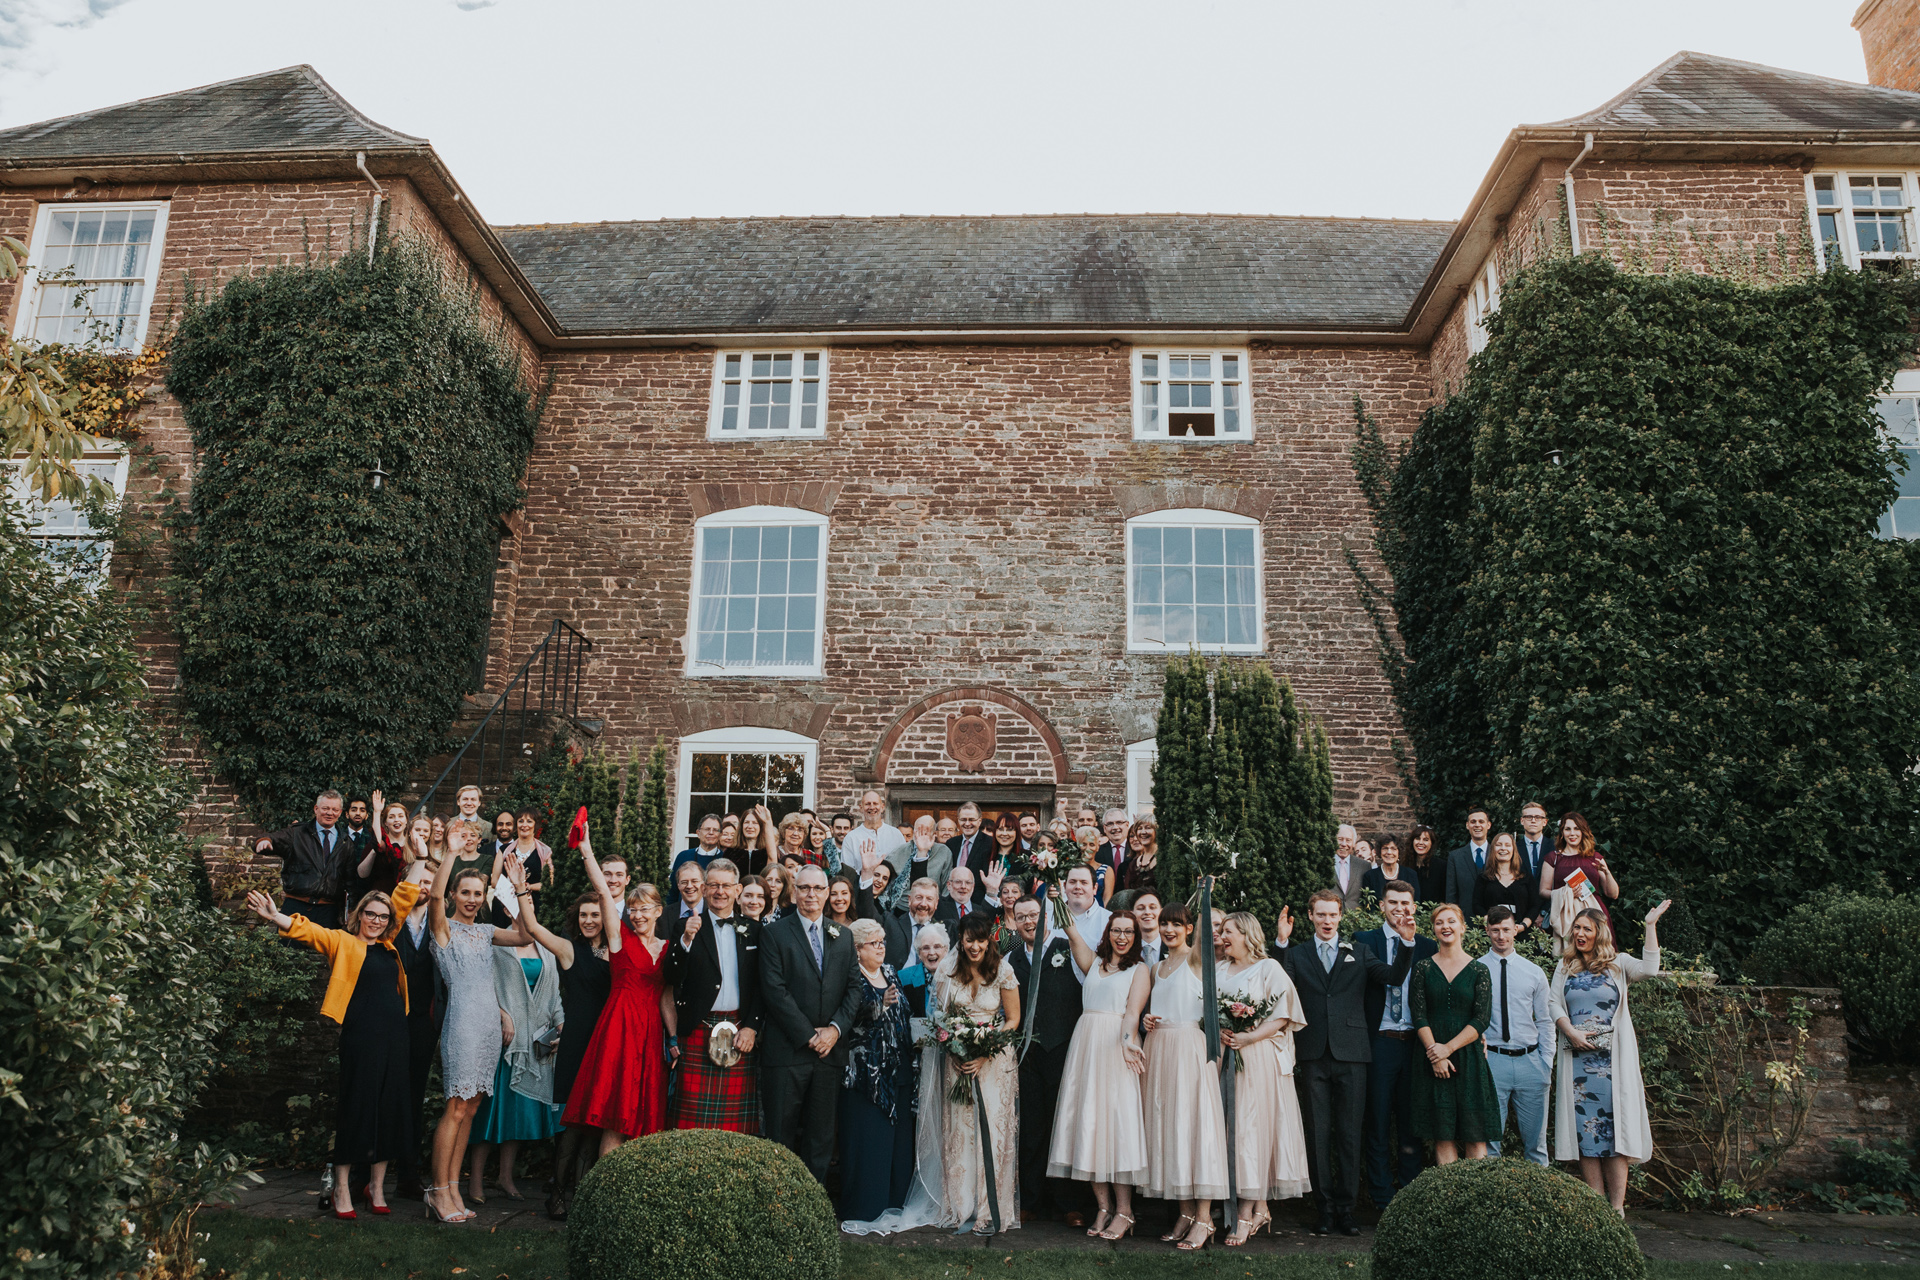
column 548, row 682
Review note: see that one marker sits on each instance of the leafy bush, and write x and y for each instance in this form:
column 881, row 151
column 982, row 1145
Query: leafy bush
column 1495, row 1219
column 1686, row 629
column 698, row 1203
column 625, row 818
column 327, row 631
column 1238, row 762
column 1867, row 945
column 105, row 1031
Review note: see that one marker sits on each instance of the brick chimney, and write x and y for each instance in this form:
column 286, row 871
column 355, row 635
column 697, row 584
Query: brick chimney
column 1890, row 35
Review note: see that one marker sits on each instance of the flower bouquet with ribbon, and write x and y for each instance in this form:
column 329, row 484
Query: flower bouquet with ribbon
column 1049, row 866
column 966, row 1036
column 1238, row 1014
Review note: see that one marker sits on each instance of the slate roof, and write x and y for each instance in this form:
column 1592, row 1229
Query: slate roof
column 1699, row 93
column 289, row 110
column 1143, row 271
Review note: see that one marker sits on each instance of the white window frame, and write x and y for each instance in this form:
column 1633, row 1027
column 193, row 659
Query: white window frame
column 1483, row 299
column 1158, row 432
column 1849, row 242
column 1140, row 760
column 716, row 407
column 1906, row 386
column 749, row 516
column 1194, row 518
column 741, row 739
column 99, row 451
column 30, row 294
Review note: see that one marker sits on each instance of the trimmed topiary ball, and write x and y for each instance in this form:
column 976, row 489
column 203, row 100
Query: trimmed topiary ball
column 694, row 1204
column 1503, row 1219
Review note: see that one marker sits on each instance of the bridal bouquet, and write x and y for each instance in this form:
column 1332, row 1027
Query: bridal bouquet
column 1050, row 866
column 966, row 1036
column 1238, row 1014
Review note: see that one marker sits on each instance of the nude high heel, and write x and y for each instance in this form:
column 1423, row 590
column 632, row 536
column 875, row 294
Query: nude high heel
column 1111, row 1234
column 1180, row 1229
column 1188, row 1246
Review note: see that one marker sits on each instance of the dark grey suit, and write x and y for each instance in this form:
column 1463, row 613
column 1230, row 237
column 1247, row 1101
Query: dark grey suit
column 1334, row 1049
column 1055, row 1014
column 1462, row 871
column 799, row 1089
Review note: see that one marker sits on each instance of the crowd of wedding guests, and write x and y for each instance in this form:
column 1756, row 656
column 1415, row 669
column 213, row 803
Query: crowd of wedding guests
column 800, row 979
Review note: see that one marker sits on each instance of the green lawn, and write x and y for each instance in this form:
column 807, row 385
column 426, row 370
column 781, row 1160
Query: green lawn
column 277, row 1249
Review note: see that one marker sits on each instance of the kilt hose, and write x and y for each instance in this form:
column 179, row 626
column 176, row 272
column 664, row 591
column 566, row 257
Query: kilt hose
column 710, row 1096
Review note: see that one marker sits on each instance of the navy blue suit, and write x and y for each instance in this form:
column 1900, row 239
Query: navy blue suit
column 1390, row 1084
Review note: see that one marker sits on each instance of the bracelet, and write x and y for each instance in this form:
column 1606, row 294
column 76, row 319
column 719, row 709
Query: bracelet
column 521, row 893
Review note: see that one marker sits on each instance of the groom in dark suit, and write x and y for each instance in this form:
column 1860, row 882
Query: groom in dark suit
column 1333, row 979
column 808, row 996
column 1053, row 1014
column 1392, row 1164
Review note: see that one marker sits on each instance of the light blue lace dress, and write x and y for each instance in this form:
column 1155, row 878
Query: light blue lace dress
column 470, row 1038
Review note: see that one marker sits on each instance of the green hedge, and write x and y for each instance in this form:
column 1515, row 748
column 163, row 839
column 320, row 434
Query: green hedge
column 1866, row 944
column 693, row 1204
column 327, row 631
column 1499, row 1219
column 1687, row 630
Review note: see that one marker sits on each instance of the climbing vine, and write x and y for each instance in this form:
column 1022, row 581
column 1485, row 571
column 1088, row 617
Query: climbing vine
column 327, row 627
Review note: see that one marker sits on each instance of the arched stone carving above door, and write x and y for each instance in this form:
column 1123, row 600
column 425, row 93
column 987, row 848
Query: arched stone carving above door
column 969, row 734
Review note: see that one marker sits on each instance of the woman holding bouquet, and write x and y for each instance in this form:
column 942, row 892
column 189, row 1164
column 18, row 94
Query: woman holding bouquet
column 1098, row 1130
column 1599, row 1101
column 1186, row 1126
column 976, row 984
column 1453, row 1099
column 1270, row 1142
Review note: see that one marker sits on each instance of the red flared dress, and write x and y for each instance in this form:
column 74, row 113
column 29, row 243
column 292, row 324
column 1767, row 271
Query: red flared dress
column 622, row 1083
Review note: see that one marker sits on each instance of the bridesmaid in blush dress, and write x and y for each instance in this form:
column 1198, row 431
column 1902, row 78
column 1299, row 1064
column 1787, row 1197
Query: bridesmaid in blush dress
column 1269, row 1140
column 621, row 1088
column 1186, row 1125
column 1098, row 1128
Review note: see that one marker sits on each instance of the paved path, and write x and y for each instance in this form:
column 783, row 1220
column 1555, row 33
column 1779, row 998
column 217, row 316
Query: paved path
column 1679, row 1237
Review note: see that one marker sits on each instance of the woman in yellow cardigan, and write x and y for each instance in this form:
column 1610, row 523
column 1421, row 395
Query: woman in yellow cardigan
column 367, row 996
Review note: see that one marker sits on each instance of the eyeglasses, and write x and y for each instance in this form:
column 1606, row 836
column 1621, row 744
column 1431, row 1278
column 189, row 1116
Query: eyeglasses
column 369, row 918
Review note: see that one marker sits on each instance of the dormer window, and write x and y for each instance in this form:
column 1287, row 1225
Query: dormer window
column 761, row 394
column 1862, row 217
column 1483, row 299
column 1190, row 395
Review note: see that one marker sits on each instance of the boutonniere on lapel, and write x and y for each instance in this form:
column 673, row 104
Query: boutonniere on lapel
column 741, row 928
column 1059, row 958
column 833, row 931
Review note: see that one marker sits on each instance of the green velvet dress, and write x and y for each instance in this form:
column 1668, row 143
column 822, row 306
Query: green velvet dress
column 1461, row 1108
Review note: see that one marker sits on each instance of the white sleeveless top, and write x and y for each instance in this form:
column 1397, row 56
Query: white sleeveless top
column 1106, row 992
column 1178, row 998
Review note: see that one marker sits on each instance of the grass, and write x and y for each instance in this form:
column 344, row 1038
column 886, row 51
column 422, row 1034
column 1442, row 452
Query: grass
column 306, row 1249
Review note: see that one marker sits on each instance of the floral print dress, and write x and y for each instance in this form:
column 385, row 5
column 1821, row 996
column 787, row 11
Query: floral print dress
column 1592, row 999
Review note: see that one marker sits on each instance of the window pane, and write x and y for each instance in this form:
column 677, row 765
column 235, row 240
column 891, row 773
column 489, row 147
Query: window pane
column 1147, row 584
column 802, row 575
column 1207, row 546
column 1862, row 192
column 1210, row 585
column 800, row 611
column 733, row 367
column 1823, row 193
column 1150, row 366
column 1146, row 546
column 804, row 542
column 709, row 772
column 770, row 648
column 1146, row 622
column 773, row 613
column 747, row 773
column 810, row 364
column 1210, row 624
column 1202, row 394
column 1240, row 625
column 1239, row 546
column 799, row 648
column 1179, row 585
column 1177, row 546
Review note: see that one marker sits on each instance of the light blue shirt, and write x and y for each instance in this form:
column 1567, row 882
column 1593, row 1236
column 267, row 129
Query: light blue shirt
column 1527, row 1021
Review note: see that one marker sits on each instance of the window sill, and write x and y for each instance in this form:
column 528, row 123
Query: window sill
column 1193, row 440
column 761, row 437
column 1182, row 647
column 705, row 671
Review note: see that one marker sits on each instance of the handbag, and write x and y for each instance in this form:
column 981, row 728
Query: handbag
column 546, row 1045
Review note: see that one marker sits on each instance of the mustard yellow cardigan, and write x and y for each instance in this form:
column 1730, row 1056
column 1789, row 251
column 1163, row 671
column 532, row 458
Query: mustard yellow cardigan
column 348, row 953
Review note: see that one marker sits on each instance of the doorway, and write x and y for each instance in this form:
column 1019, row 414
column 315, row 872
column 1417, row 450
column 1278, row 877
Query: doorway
column 907, row 802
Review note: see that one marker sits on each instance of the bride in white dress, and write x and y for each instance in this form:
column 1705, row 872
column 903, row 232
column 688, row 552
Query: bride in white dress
column 949, row 1178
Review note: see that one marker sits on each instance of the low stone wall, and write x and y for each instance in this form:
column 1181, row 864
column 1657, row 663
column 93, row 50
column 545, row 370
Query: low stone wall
column 1877, row 1103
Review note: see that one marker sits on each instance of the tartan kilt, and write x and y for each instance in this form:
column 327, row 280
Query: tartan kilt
column 709, row 1096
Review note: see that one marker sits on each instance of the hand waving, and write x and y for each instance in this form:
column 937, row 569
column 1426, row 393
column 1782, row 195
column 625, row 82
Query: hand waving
column 1284, row 926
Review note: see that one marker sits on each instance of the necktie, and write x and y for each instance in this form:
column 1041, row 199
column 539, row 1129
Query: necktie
column 1393, row 993
column 1326, row 956
column 1479, row 857
column 326, row 838
column 1506, row 1036
column 813, row 935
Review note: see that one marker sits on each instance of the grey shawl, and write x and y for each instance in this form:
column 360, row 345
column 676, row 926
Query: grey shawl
column 534, row 1013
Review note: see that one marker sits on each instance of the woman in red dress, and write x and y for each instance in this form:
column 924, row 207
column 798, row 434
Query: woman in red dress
column 622, row 1086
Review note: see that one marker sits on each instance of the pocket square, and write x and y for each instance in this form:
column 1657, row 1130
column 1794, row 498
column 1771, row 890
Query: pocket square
column 1348, row 960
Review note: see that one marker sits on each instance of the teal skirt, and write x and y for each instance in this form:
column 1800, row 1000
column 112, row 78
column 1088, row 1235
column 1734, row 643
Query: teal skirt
column 511, row 1117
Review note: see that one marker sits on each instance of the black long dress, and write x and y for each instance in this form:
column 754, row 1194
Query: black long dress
column 374, row 1122
column 584, row 987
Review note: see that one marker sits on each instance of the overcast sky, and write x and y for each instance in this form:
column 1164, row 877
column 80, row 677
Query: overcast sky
column 584, row 110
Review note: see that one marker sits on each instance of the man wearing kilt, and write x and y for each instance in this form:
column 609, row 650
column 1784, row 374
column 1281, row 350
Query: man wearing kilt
column 714, row 968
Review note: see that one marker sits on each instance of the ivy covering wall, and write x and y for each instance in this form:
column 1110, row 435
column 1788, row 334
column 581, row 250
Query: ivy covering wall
column 1238, row 762
column 1687, row 629
column 326, row 629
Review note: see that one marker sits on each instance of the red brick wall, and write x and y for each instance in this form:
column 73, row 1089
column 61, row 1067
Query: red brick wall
column 976, row 540
column 1890, row 38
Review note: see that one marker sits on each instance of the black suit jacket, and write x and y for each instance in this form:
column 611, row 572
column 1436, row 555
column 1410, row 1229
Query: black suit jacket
column 1375, row 940
column 1335, row 1003
column 795, row 997
column 422, row 978
column 949, row 914
column 1057, row 1009
column 899, row 927
column 694, row 973
column 306, row 871
column 1532, row 865
column 975, row 855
